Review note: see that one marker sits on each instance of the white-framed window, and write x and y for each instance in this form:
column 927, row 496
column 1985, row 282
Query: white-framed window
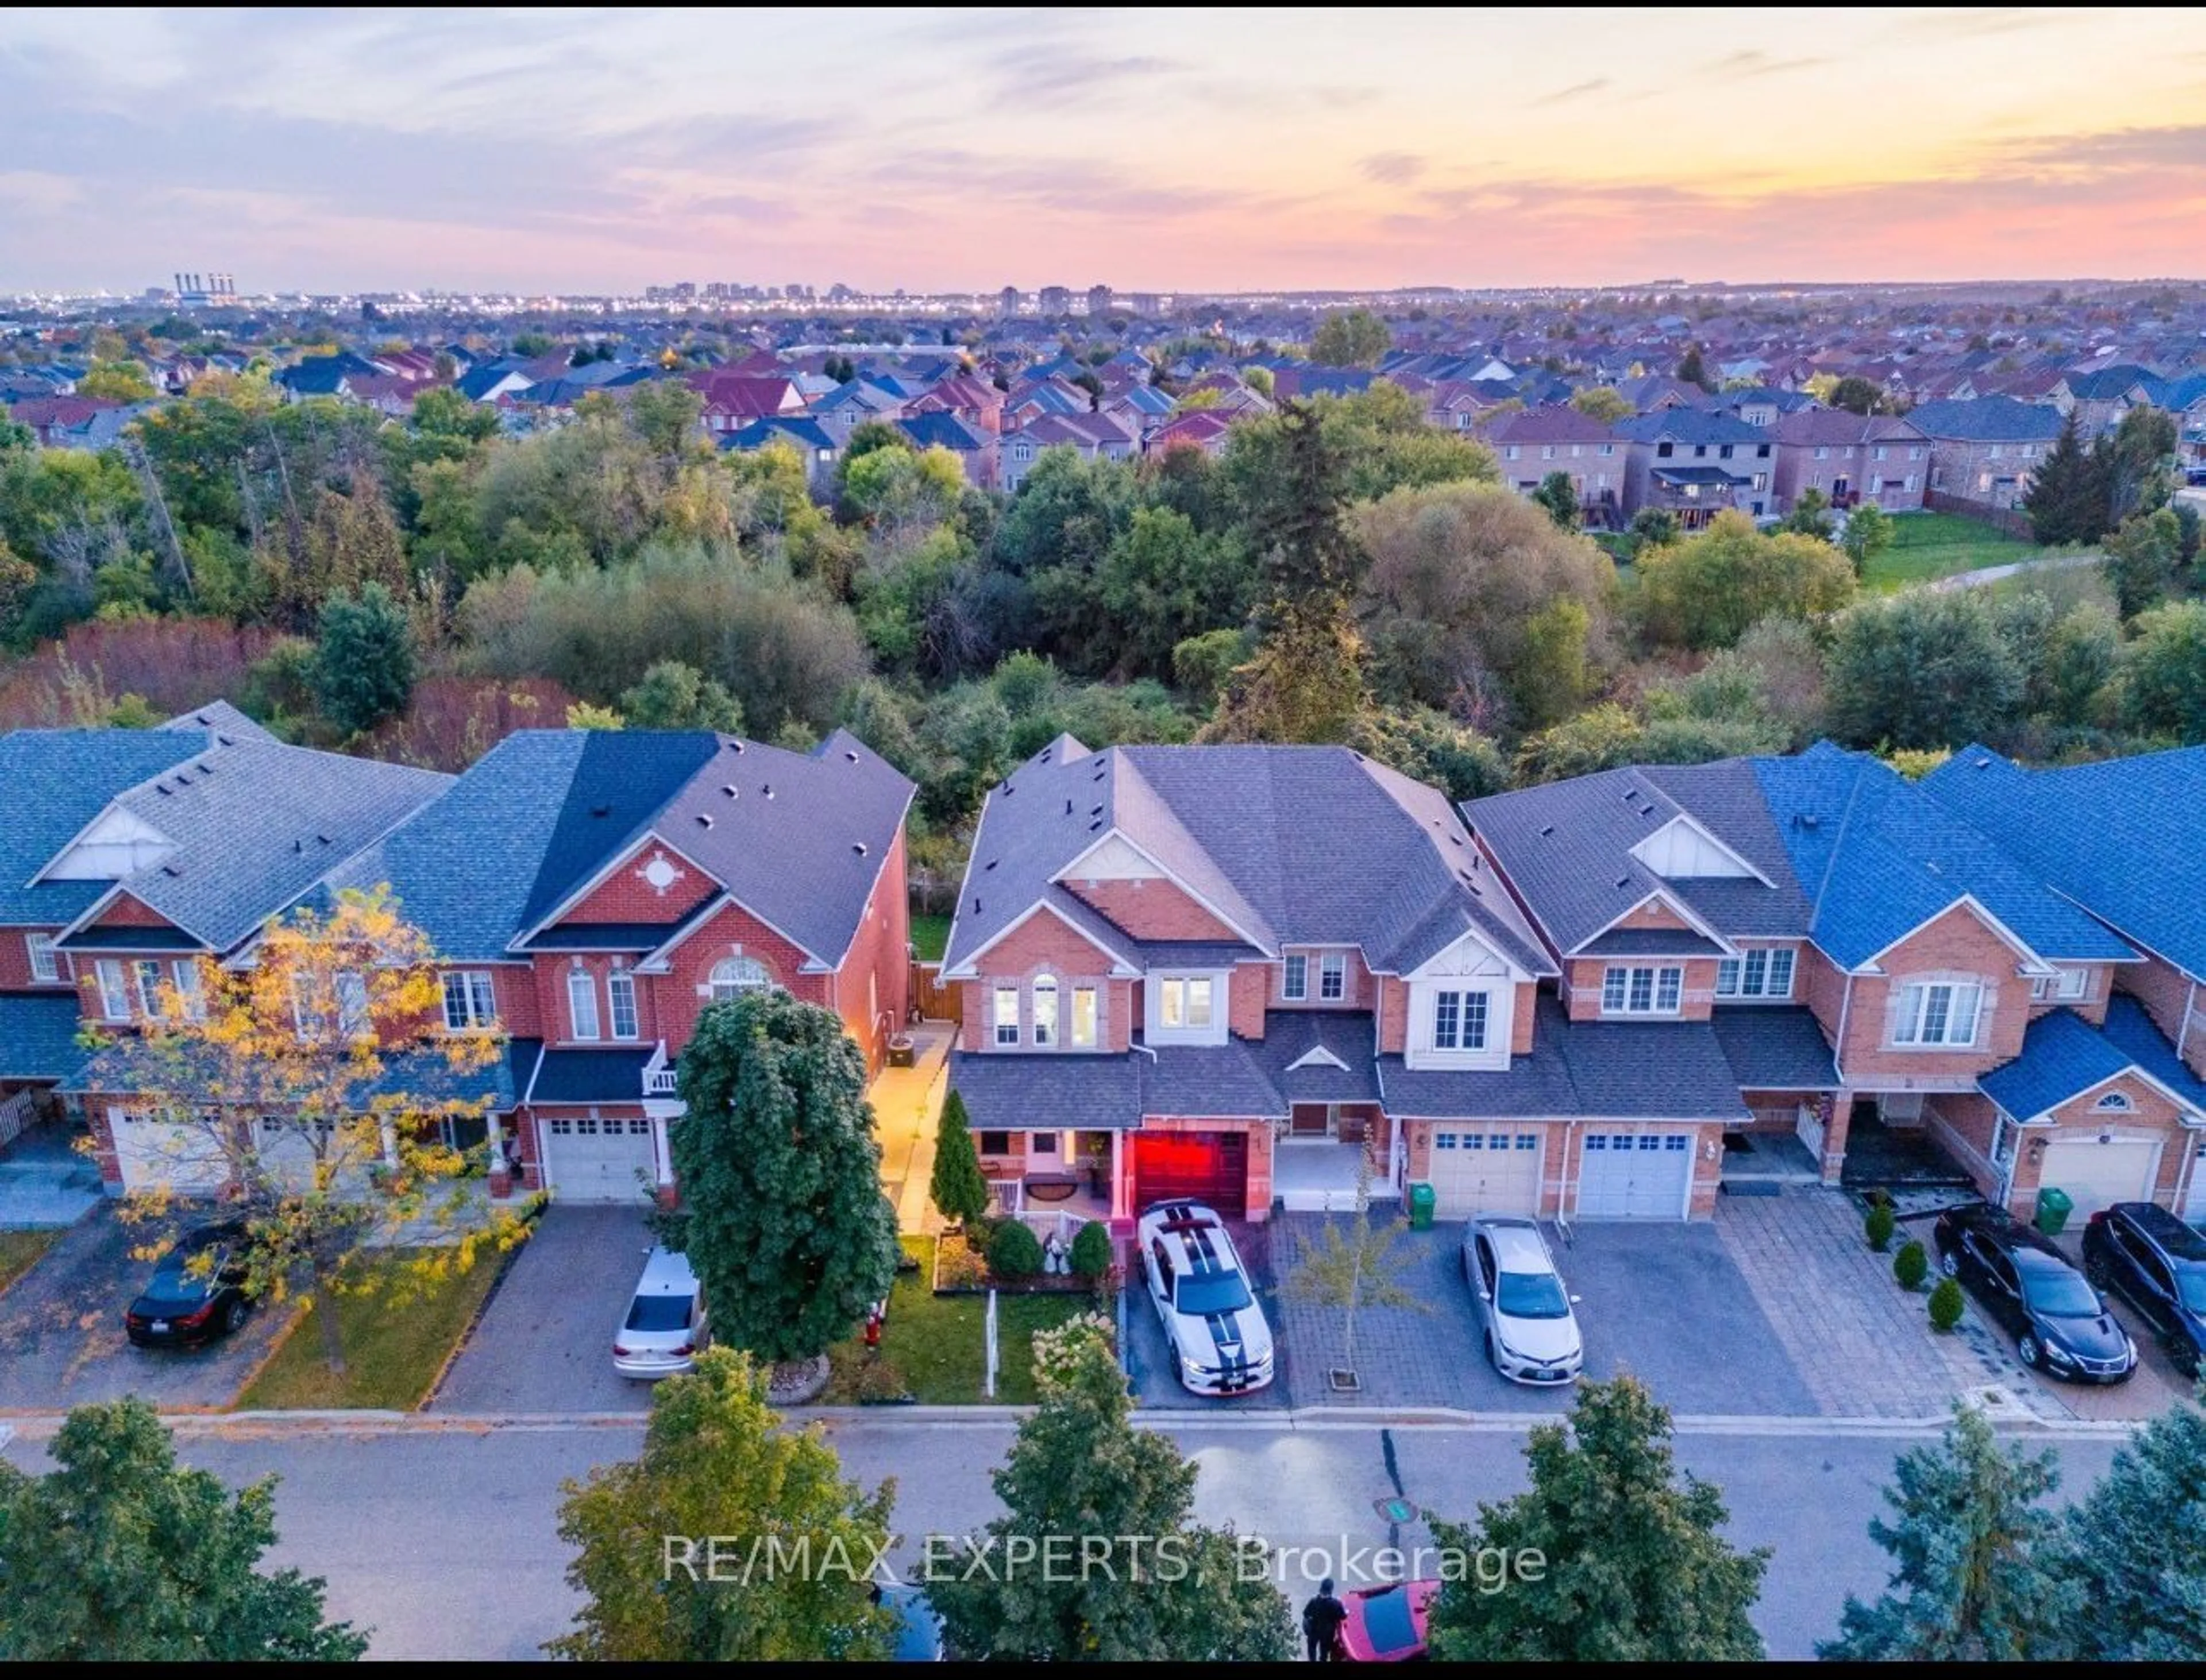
column 1939, row 1013
column 45, row 963
column 1045, row 1010
column 1185, row 1002
column 351, row 990
column 1640, row 991
column 2067, row 986
column 147, row 973
column 1459, row 1020
column 620, row 996
column 114, row 989
column 1007, row 1014
column 1332, row 977
column 732, row 976
column 470, row 1001
column 582, row 1003
column 2115, row 1102
column 191, row 1003
column 1085, row 1015
column 1755, row 974
column 1294, row 982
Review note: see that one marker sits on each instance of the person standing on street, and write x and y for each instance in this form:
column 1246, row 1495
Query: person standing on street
column 1321, row 1619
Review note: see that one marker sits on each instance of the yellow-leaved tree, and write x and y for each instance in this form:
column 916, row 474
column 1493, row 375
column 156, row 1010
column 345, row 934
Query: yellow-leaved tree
column 309, row 1085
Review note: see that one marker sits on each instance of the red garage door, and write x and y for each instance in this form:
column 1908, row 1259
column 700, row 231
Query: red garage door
column 1211, row 1167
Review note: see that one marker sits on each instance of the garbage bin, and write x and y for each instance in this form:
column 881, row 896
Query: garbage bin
column 1422, row 1202
column 2054, row 1208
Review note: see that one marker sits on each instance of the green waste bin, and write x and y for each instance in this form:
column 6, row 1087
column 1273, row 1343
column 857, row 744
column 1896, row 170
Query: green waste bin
column 2054, row 1208
column 1423, row 1201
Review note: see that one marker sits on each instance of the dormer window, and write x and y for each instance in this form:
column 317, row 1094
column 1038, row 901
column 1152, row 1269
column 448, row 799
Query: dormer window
column 1294, row 981
column 1640, row 991
column 1332, row 977
column 44, row 963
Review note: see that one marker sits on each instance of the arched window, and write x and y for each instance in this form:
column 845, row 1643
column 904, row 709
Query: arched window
column 733, row 976
column 2112, row 1103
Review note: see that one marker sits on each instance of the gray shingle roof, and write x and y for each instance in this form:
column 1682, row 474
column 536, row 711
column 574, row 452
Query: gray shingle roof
column 1650, row 942
column 1651, row 1070
column 52, row 783
column 219, row 718
column 1772, row 1048
column 257, row 825
column 1291, row 844
column 37, row 1036
column 1089, row 1094
column 1290, row 1035
column 1993, row 420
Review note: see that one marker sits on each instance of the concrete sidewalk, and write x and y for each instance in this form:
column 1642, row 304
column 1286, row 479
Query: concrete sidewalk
column 907, row 1108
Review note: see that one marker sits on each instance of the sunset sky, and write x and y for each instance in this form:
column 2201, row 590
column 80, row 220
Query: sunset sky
column 1183, row 149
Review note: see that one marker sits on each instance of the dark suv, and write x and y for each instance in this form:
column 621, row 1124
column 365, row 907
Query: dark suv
column 2157, row 1264
column 2059, row 1323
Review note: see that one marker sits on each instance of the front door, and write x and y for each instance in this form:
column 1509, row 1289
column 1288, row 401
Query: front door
column 1311, row 1120
column 1045, row 1153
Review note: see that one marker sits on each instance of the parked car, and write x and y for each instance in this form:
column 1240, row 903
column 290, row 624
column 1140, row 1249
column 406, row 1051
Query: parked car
column 666, row 1325
column 196, row 1293
column 1387, row 1624
column 1214, row 1328
column 2157, row 1264
column 1531, row 1334
column 2059, row 1323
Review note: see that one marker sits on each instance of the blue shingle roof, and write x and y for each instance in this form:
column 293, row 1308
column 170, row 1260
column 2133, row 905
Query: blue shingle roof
column 2119, row 837
column 2063, row 1056
column 1988, row 420
column 1880, row 857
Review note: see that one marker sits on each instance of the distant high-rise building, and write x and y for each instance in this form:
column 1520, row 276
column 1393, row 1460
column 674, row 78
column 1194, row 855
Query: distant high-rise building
column 1098, row 300
column 1007, row 300
column 1054, row 299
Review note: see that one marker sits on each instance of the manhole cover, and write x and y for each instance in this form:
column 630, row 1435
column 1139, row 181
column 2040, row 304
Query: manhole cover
column 1344, row 1382
column 1396, row 1510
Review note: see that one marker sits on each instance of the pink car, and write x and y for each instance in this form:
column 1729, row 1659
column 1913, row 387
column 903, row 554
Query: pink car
column 1387, row 1624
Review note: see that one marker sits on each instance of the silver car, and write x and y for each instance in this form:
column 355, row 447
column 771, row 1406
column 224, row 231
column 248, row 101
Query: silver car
column 664, row 1327
column 1531, row 1334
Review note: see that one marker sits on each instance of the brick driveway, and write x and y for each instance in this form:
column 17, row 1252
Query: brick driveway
column 1663, row 1302
column 1149, row 1367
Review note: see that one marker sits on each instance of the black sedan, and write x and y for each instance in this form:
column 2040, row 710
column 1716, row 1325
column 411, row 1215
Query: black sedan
column 2156, row 1263
column 196, row 1292
column 2059, row 1323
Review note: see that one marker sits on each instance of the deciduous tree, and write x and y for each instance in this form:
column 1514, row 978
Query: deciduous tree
column 1920, row 670
column 120, row 1555
column 1868, row 534
column 1705, row 591
column 1349, row 1267
column 783, row 1219
column 315, row 1085
column 716, row 1461
column 676, row 696
column 1630, row 1565
column 1080, row 1470
column 1349, row 338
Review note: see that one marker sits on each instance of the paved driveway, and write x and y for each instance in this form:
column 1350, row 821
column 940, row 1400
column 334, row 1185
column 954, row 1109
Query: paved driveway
column 1149, row 1360
column 1661, row 1300
column 544, row 1342
column 61, row 1330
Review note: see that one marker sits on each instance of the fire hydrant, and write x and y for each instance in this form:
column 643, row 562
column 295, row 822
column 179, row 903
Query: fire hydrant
column 873, row 1330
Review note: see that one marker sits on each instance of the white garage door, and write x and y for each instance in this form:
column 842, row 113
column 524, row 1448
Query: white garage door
column 2095, row 1174
column 155, row 1154
column 597, row 1160
column 1485, row 1171
column 1634, row 1176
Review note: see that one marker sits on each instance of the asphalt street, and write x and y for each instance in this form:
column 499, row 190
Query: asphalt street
column 444, row 1542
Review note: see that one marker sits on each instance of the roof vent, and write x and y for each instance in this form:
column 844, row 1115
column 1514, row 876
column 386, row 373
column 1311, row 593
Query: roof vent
column 1631, row 793
column 766, row 788
column 162, row 788
column 1547, row 829
column 298, row 845
column 1097, row 823
column 1068, row 807
column 704, row 820
column 172, row 870
column 1805, row 819
column 859, row 847
column 990, row 864
column 1623, row 880
column 204, row 767
column 1983, row 764
column 728, row 788
column 735, row 746
column 1458, row 839
column 601, row 810
column 1094, row 810
column 1646, row 810
column 849, row 754
column 225, row 740
column 1042, row 757
column 976, row 906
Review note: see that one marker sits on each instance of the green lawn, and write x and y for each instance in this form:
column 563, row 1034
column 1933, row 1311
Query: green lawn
column 937, row 1343
column 396, row 1343
column 929, row 936
column 1926, row 545
column 19, row 1251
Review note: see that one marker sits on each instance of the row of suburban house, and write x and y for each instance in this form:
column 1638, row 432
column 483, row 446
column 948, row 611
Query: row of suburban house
column 1240, row 973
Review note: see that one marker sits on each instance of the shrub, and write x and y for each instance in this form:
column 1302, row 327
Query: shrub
column 1945, row 1304
column 1091, row 1250
column 1879, row 1226
column 1911, row 1265
column 1014, row 1251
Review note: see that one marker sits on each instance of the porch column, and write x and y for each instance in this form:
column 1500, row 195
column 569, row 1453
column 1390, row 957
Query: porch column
column 501, row 1173
column 1120, row 1200
column 1834, row 1134
column 662, row 1161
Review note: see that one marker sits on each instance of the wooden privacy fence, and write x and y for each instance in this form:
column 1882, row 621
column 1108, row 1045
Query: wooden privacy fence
column 935, row 998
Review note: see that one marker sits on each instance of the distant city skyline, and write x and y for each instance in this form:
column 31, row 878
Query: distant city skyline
column 597, row 152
